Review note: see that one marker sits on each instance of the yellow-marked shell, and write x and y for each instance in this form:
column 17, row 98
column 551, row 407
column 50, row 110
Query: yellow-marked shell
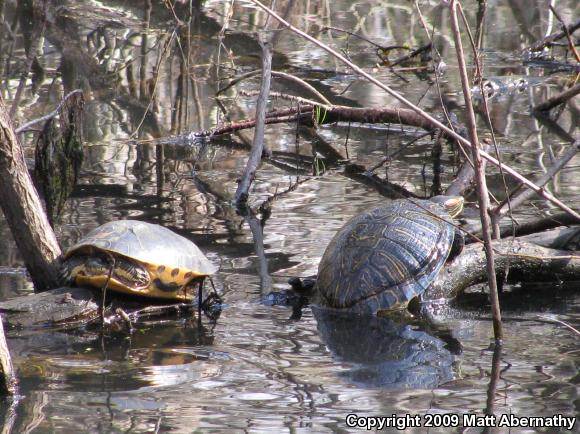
column 137, row 258
column 387, row 255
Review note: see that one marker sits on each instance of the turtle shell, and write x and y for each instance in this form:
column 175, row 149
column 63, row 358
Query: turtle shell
column 385, row 256
column 149, row 260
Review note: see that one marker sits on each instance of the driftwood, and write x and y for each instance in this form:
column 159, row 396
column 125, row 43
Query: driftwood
column 70, row 308
column 310, row 114
column 522, row 261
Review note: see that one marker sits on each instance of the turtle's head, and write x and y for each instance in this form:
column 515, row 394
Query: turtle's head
column 452, row 204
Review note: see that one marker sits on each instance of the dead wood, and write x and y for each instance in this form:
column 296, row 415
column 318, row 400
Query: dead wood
column 241, row 195
column 68, row 307
column 73, row 308
column 533, row 226
column 562, row 237
column 482, row 192
column 23, row 210
column 8, row 382
column 525, row 262
column 556, row 100
column 305, row 114
column 428, row 117
column 372, row 115
column 549, row 40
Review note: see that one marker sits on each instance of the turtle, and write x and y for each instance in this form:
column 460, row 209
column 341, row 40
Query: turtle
column 137, row 258
column 389, row 254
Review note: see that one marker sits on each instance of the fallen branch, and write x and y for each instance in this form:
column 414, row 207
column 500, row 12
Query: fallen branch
column 434, row 122
column 304, row 114
column 526, row 262
column 549, row 40
column 534, row 226
column 566, row 32
column 284, row 75
column 556, row 100
column 561, row 237
column 524, row 195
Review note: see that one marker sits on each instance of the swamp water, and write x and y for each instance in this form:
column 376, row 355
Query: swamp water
column 262, row 367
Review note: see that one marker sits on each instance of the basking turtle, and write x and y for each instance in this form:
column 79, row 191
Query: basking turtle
column 146, row 259
column 389, row 254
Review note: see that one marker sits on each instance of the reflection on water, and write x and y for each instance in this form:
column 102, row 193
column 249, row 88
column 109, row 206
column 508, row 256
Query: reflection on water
column 386, row 353
column 263, row 367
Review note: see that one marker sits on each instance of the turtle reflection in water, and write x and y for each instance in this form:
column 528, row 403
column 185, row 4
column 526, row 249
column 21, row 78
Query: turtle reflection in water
column 138, row 258
column 386, row 256
column 383, row 352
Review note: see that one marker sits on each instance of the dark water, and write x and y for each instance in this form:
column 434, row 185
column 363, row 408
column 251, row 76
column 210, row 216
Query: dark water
column 260, row 368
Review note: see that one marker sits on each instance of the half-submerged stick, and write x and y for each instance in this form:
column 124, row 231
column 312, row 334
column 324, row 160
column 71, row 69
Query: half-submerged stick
column 241, row 195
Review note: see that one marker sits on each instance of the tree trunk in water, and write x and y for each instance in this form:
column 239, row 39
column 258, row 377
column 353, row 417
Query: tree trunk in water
column 23, row 211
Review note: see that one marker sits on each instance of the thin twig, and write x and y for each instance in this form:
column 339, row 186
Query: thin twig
column 48, row 116
column 550, row 319
column 241, row 195
column 285, row 75
column 547, row 41
column 567, row 33
column 418, row 110
column 479, row 76
column 479, row 175
column 548, row 176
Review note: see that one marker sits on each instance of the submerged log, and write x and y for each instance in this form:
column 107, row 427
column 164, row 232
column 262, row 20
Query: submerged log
column 71, row 308
column 78, row 307
column 64, row 306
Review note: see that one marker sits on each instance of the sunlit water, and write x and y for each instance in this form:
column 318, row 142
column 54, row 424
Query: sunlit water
column 264, row 368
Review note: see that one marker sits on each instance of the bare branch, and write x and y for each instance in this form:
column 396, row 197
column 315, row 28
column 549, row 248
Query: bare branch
column 482, row 193
column 558, row 99
column 437, row 124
